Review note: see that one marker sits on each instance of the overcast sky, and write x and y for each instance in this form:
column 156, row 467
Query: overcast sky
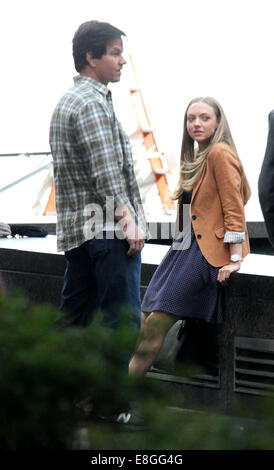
column 181, row 49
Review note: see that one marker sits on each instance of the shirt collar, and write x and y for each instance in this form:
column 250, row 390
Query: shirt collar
column 103, row 89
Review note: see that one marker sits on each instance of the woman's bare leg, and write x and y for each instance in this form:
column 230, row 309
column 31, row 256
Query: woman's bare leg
column 143, row 321
column 153, row 331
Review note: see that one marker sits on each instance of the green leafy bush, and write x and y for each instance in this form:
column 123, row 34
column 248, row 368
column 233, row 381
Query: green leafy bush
column 45, row 371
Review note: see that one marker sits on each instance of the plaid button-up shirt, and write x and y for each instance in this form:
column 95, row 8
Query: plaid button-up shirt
column 93, row 166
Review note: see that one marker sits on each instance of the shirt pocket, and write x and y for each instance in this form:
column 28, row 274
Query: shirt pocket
column 97, row 248
column 220, row 232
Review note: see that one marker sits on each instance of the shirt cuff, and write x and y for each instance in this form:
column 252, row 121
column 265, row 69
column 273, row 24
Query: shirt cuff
column 234, row 237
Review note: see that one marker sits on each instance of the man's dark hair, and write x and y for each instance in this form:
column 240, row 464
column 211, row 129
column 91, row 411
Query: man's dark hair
column 93, row 37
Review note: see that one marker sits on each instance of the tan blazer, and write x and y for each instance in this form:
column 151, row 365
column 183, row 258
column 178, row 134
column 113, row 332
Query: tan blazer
column 217, row 205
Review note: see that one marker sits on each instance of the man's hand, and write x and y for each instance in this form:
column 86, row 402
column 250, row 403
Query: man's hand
column 135, row 237
column 133, row 234
column 225, row 271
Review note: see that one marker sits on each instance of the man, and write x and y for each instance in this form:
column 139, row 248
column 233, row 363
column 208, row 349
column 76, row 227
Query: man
column 5, row 229
column 94, row 174
column 266, row 182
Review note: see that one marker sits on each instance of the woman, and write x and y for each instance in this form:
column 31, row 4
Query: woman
column 188, row 280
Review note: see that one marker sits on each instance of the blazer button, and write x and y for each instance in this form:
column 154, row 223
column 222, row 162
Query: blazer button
column 194, row 217
column 199, row 236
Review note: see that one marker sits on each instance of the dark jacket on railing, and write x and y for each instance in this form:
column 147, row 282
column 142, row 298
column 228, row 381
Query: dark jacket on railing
column 266, row 182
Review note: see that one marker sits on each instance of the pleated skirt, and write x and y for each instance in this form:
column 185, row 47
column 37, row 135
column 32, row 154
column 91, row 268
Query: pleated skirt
column 185, row 284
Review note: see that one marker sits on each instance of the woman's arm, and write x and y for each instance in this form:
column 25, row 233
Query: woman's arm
column 228, row 176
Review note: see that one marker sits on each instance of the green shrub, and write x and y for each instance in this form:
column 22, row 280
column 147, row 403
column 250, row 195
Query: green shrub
column 45, row 371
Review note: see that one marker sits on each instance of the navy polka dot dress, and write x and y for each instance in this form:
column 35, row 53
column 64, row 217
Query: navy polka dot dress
column 185, row 284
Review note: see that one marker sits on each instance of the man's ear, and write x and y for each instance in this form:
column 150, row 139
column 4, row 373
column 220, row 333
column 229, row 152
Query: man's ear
column 90, row 60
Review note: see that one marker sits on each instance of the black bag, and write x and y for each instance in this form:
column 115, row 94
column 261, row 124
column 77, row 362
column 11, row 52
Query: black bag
column 25, row 230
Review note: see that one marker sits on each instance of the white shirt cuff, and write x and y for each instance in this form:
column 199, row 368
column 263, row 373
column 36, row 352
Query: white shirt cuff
column 234, row 237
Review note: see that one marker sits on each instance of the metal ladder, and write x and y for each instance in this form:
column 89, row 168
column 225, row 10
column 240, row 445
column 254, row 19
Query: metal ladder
column 157, row 159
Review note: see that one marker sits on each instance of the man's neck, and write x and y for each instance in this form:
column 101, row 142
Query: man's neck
column 87, row 72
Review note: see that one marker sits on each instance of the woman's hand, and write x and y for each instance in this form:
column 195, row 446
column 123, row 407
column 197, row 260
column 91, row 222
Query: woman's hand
column 225, row 271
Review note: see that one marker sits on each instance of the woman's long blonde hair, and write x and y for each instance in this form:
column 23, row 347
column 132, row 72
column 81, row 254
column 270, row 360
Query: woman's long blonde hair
column 192, row 163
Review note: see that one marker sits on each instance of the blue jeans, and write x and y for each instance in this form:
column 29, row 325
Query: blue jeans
column 101, row 276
